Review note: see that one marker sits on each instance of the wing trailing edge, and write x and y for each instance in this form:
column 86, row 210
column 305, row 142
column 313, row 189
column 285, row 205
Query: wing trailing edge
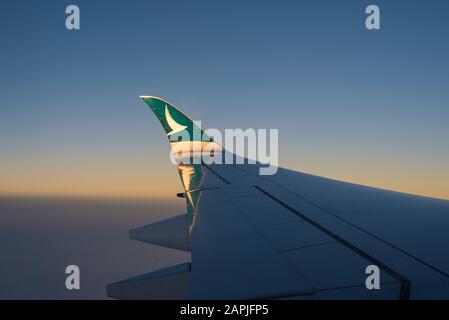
column 171, row 233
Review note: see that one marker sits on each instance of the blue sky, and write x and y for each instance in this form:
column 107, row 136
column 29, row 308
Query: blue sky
column 363, row 106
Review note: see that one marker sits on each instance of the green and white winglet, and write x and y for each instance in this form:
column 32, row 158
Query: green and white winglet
column 190, row 146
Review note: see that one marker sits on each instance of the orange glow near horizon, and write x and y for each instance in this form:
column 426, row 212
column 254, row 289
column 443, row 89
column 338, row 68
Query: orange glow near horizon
column 125, row 183
column 144, row 173
column 162, row 181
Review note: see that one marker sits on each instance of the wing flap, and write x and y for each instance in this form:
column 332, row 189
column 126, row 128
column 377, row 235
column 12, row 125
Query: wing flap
column 169, row 283
column 171, row 233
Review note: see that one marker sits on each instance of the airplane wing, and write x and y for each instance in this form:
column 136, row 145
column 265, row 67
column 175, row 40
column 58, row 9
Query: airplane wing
column 289, row 235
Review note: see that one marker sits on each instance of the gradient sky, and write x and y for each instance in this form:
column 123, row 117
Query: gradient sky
column 369, row 107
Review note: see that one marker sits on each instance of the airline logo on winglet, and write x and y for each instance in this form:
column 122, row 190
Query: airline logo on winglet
column 174, row 126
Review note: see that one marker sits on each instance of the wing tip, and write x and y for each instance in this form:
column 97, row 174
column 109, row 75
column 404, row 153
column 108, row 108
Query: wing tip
column 150, row 97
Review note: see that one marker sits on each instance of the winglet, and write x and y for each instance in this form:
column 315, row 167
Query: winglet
column 191, row 146
column 173, row 120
